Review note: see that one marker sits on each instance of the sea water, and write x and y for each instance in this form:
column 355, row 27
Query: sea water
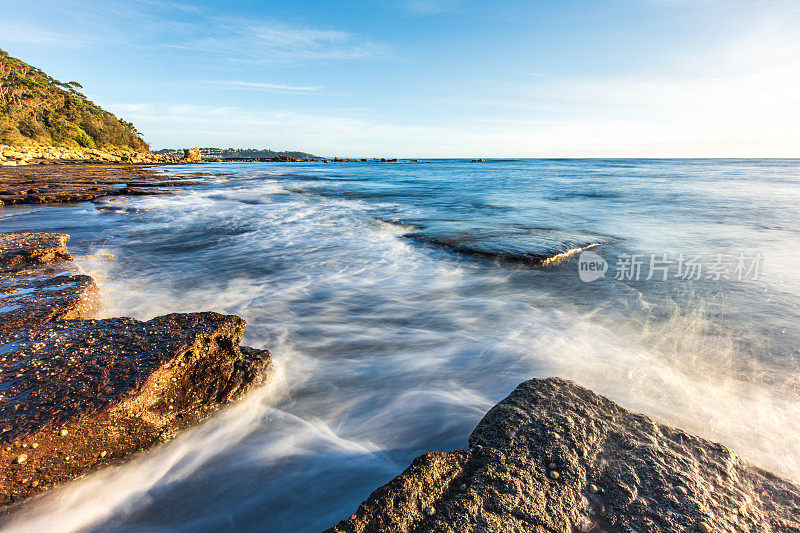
column 388, row 346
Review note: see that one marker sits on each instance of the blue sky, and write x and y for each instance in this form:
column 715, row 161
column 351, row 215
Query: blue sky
column 428, row 78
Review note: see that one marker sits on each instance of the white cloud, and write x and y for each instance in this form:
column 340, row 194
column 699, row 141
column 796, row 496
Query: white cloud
column 268, row 87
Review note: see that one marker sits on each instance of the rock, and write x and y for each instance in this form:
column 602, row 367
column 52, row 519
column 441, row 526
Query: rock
column 512, row 243
column 33, row 287
column 81, row 390
column 192, row 155
column 635, row 460
column 105, row 385
column 37, row 299
column 72, row 182
column 26, row 155
column 21, row 250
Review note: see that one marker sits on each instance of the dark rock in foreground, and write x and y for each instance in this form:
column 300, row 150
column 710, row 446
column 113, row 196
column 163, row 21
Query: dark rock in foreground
column 556, row 457
column 81, row 393
column 77, row 394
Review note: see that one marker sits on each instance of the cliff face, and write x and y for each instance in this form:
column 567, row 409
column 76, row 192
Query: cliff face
column 556, row 457
column 38, row 109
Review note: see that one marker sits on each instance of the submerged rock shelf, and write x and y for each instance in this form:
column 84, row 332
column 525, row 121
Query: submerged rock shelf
column 77, row 394
column 554, row 456
column 509, row 243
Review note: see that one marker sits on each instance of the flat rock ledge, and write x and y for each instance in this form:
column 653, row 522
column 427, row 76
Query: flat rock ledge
column 73, row 182
column 556, row 457
column 77, row 394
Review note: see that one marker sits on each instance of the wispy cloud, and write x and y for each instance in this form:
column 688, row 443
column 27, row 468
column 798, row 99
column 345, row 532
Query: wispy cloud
column 264, row 42
column 20, row 33
column 430, row 7
column 267, row 87
column 152, row 25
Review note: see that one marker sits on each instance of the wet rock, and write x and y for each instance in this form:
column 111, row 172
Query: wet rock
column 82, row 390
column 24, row 250
column 30, row 300
column 635, row 460
column 511, row 243
column 33, row 286
column 84, row 387
column 37, row 184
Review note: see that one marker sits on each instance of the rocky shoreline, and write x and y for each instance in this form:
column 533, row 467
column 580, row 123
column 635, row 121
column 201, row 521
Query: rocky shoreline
column 77, row 394
column 80, row 182
column 556, row 457
column 12, row 156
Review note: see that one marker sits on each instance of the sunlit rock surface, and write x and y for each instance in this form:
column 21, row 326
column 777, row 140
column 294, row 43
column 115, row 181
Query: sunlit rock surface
column 76, row 394
column 72, row 182
column 24, row 250
column 554, row 456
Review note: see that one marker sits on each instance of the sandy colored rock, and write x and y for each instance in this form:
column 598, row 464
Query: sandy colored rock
column 35, row 154
column 617, row 471
column 24, row 250
column 192, row 155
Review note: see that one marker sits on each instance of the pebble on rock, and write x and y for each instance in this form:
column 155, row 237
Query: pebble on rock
column 20, row 459
column 553, row 474
column 64, row 432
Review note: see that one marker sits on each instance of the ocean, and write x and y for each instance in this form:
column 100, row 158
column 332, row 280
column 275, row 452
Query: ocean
column 402, row 300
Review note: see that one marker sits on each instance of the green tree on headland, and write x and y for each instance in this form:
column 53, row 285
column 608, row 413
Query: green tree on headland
column 38, row 109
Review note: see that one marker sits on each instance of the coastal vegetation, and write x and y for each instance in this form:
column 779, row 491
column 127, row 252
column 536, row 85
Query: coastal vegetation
column 37, row 109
